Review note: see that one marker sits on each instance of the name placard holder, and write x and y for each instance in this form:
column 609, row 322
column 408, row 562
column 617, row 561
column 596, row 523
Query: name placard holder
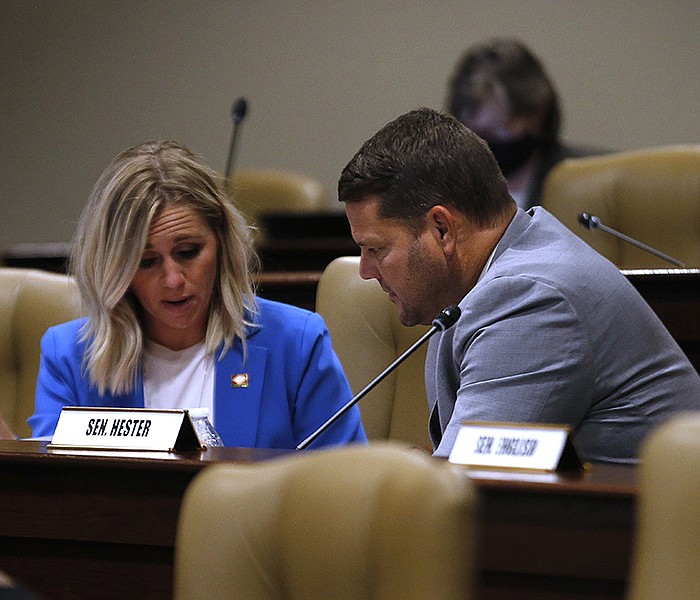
column 87, row 428
column 517, row 446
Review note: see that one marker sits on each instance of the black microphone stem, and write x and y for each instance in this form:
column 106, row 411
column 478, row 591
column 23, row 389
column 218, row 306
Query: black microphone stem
column 238, row 112
column 369, row 387
column 592, row 222
column 229, row 162
column 640, row 245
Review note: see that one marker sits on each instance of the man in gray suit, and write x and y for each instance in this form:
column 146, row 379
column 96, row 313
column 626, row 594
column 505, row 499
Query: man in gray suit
column 550, row 331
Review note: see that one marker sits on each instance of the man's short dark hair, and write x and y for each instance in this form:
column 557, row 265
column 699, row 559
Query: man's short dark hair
column 422, row 159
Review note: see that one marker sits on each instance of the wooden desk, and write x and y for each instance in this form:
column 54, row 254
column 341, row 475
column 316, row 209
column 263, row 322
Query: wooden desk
column 87, row 526
column 297, row 287
column 303, row 255
column 674, row 295
column 75, row 527
column 555, row 537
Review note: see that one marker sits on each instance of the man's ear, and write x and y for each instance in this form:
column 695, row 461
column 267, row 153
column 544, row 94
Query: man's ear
column 442, row 225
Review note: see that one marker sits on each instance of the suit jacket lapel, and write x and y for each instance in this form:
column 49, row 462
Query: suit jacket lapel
column 237, row 403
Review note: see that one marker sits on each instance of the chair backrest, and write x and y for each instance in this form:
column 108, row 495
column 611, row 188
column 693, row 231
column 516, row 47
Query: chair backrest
column 31, row 301
column 367, row 336
column 651, row 195
column 257, row 191
column 666, row 562
column 379, row 522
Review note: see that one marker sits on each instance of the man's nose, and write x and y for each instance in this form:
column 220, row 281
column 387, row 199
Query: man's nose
column 368, row 270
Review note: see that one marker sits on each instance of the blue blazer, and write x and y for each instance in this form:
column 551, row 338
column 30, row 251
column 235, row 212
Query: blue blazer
column 295, row 383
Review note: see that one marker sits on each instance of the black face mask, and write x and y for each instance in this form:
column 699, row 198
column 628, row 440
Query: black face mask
column 513, row 154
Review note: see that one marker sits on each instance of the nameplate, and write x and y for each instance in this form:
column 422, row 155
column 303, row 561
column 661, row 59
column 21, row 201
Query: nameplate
column 89, row 428
column 526, row 446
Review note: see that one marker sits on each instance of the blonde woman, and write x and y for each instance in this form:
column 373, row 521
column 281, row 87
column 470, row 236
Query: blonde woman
column 164, row 263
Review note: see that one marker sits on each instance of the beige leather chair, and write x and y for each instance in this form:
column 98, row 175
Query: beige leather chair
column 376, row 522
column 666, row 563
column 367, row 336
column 30, row 302
column 651, row 195
column 257, row 191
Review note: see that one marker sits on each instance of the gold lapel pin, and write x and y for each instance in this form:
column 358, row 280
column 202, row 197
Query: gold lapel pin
column 239, row 380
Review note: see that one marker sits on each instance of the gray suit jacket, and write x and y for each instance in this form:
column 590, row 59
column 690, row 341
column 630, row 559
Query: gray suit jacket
column 554, row 333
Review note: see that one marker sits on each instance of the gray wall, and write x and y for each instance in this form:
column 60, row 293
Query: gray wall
column 81, row 80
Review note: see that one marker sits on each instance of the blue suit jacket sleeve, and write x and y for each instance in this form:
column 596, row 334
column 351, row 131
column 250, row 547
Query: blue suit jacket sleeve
column 323, row 390
column 61, row 381
column 55, row 388
column 296, row 384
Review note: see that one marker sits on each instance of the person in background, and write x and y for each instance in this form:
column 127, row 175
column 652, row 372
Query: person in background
column 165, row 264
column 502, row 92
column 549, row 331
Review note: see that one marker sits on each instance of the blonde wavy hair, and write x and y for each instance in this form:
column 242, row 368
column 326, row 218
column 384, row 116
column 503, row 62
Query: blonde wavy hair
column 110, row 240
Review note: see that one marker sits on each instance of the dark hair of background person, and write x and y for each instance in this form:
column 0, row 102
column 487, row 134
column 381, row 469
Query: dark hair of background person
column 505, row 66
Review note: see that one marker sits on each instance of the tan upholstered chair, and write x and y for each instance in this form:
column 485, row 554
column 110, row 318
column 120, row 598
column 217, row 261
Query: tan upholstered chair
column 374, row 522
column 666, row 562
column 651, row 195
column 30, row 302
column 257, row 191
column 367, row 336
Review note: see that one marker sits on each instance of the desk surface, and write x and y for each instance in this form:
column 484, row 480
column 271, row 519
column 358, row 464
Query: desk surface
column 555, row 537
column 90, row 525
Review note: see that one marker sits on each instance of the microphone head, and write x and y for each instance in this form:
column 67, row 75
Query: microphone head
column 588, row 221
column 447, row 317
column 239, row 109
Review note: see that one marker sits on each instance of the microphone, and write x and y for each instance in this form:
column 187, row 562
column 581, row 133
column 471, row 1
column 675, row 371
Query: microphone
column 238, row 111
column 446, row 319
column 592, row 222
